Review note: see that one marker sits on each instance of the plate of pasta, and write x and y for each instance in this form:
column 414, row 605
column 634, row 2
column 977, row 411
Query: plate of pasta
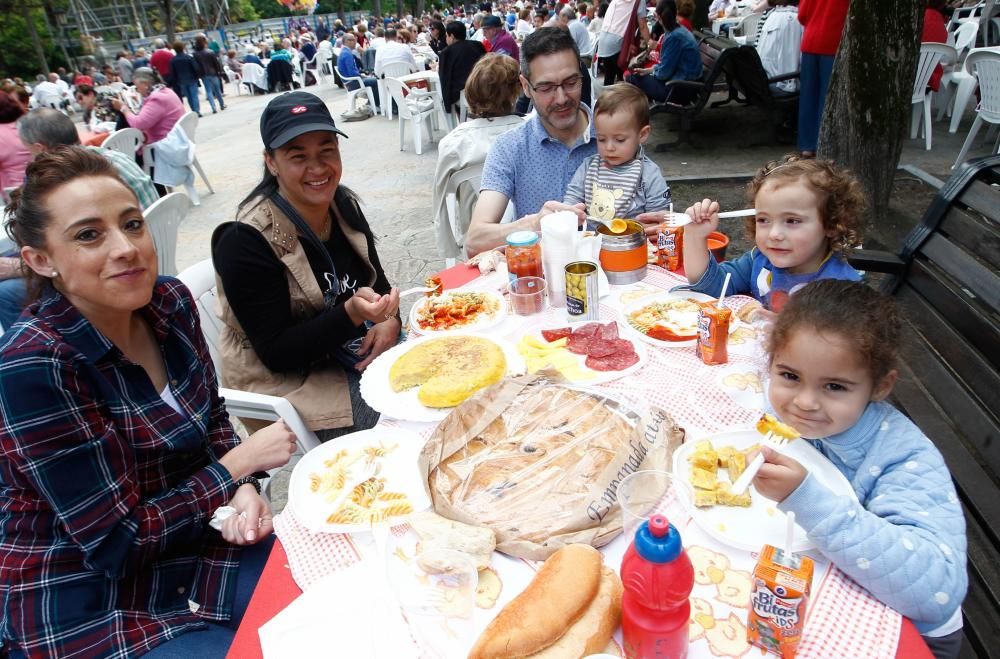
column 358, row 481
column 463, row 310
column 668, row 320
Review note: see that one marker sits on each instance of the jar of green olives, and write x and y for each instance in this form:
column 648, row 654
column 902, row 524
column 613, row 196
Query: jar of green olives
column 581, row 291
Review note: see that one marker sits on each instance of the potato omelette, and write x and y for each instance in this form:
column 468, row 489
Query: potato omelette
column 448, row 370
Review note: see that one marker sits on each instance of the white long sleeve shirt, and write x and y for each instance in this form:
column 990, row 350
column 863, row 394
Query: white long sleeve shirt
column 779, row 45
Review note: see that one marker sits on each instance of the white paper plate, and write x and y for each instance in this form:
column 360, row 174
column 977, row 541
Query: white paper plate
column 600, row 377
column 663, row 297
column 399, row 468
column 762, row 523
column 482, row 323
column 404, row 405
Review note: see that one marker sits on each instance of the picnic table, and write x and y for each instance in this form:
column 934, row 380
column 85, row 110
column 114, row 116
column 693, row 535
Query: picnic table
column 842, row 619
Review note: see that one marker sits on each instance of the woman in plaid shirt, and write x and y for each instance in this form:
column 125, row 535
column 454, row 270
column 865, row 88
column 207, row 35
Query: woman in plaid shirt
column 115, row 448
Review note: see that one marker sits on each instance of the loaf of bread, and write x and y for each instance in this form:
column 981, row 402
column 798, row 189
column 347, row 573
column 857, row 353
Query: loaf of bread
column 570, row 609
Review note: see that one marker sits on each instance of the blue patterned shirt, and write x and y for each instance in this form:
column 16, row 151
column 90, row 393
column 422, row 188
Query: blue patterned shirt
column 105, row 490
column 530, row 168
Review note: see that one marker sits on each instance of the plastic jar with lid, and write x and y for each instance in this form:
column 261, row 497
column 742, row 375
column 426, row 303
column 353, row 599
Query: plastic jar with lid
column 524, row 255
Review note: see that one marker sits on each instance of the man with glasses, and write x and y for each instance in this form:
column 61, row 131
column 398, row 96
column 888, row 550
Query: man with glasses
column 532, row 164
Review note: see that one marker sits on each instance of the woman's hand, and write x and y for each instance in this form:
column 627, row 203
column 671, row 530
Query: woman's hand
column 549, row 207
column 117, row 104
column 779, row 476
column 252, row 521
column 378, row 339
column 268, row 448
column 368, row 305
column 704, row 218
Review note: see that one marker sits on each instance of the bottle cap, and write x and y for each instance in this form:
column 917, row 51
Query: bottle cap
column 522, row 239
column 657, row 540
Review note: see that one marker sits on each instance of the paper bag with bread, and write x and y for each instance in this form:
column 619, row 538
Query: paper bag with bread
column 539, row 463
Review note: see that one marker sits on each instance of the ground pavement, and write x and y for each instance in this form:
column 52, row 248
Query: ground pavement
column 395, row 185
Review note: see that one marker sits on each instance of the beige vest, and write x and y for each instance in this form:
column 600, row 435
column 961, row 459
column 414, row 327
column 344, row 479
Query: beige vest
column 321, row 396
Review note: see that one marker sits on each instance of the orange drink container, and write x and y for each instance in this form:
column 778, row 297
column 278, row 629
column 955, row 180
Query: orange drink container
column 713, row 333
column 778, row 599
column 669, row 247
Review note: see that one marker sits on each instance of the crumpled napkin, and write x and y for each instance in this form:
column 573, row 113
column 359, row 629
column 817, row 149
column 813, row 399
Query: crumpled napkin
column 339, row 616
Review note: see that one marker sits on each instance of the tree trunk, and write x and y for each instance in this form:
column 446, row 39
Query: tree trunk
column 167, row 9
column 400, row 11
column 377, row 7
column 341, row 12
column 868, row 102
column 420, row 9
column 36, row 40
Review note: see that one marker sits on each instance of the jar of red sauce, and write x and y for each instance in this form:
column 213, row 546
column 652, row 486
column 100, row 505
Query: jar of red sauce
column 524, row 255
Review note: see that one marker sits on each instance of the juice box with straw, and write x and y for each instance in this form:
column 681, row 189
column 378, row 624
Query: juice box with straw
column 669, row 247
column 778, row 599
column 713, row 333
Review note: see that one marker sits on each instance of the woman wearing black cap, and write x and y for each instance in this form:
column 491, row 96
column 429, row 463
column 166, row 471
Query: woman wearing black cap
column 305, row 302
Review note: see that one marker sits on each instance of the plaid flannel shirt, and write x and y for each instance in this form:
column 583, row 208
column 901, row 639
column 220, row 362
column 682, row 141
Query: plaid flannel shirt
column 106, row 491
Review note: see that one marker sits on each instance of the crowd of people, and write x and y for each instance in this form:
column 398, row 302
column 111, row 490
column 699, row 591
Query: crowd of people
column 116, row 450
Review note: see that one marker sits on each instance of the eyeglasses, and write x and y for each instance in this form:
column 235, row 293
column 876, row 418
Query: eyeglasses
column 568, row 86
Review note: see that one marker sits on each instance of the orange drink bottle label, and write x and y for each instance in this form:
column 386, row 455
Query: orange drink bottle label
column 713, row 333
column 669, row 247
column 778, row 599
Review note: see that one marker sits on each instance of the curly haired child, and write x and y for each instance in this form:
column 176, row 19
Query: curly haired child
column 832, row 354
column 808, row 216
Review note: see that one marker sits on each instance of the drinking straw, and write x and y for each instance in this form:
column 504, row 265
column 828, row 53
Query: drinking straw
column 789, row 533
column 725, row 285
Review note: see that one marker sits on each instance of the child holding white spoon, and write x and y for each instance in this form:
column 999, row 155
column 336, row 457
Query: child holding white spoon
column 808, row 216
column 832, row 353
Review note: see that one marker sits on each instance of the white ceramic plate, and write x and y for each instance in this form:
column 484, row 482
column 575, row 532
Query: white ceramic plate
column 600, row 377
column 762, row 523
column 404, row 405
column 663, row 297
column 399, row 468
column 481, row 323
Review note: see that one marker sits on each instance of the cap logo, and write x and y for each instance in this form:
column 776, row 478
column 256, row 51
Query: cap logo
column 298, row 109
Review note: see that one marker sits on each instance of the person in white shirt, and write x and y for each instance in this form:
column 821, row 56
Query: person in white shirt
column 780, row 43
column 476, row 31
column 393, row 51
column 718, row 9
column 47, row 93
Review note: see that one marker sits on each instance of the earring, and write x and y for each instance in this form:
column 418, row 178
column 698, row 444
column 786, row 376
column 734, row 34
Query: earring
column 54, row 274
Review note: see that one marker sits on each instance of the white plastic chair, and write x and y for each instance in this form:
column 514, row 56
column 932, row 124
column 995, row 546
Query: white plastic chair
column 200, row 280
column 235, row 78
column 957, row 85
column 931, row 54
column 189, row 124
column 390, row 70
column 126, row 140
column 414, row 108
column 254, row 75
column 352, row 94
column 164, row 218
column 985, row 65
column 747, row 29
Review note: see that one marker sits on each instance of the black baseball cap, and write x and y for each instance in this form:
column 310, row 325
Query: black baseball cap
column 492, row 21
column 293, row 114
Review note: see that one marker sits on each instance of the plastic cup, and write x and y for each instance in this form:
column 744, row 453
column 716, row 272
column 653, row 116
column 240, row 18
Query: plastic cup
column 436, row 590
column 645, row 493
column 527, row 295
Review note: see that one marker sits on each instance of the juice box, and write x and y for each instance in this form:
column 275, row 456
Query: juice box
column 778, row 599
column 669, row 247
column 713, row 333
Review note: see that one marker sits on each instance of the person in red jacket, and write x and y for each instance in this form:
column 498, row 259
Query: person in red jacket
column 823, row 21
column 934, row 32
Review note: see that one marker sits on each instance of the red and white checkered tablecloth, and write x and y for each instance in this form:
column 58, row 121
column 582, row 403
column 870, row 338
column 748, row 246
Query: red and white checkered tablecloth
column 842, row 620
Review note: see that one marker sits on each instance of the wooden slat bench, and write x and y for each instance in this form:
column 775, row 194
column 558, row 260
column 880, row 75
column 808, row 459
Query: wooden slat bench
column 946, row 281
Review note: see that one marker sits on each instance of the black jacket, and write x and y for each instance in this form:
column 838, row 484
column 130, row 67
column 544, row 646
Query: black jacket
column 184, row 70
column 454, row 67
column 208, row 62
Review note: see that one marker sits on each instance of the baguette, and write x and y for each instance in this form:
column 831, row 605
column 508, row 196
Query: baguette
column 592, row 632
column 556, row 598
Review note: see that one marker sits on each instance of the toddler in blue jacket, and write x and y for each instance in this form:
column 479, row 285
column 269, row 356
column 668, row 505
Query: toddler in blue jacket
column 832, row 352
column 808, row 216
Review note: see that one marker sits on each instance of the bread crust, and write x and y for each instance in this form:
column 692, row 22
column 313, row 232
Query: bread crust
column 592, row 632
column 556, row 598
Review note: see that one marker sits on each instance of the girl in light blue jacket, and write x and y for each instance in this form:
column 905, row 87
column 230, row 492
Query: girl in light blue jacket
column 832, row 355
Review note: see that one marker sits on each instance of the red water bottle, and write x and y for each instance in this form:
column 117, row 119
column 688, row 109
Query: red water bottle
column 658, row 579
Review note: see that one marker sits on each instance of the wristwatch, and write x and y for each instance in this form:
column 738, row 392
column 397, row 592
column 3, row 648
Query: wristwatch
column 252, row 480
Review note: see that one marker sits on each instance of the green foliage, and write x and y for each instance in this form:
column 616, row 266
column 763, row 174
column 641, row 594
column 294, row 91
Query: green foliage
column 270, row 8
column 243, row 10
column 17, row 56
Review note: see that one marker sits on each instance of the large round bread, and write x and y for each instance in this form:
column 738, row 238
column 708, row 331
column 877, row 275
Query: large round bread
column 557, row 597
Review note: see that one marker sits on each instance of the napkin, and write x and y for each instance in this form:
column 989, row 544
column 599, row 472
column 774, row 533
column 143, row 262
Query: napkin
column 340, row 614
column 559, row 236
column 589, row 249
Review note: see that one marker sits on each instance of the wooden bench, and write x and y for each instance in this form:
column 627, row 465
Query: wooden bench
column 750, row 84
column 715, row 51
column 946, row 281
